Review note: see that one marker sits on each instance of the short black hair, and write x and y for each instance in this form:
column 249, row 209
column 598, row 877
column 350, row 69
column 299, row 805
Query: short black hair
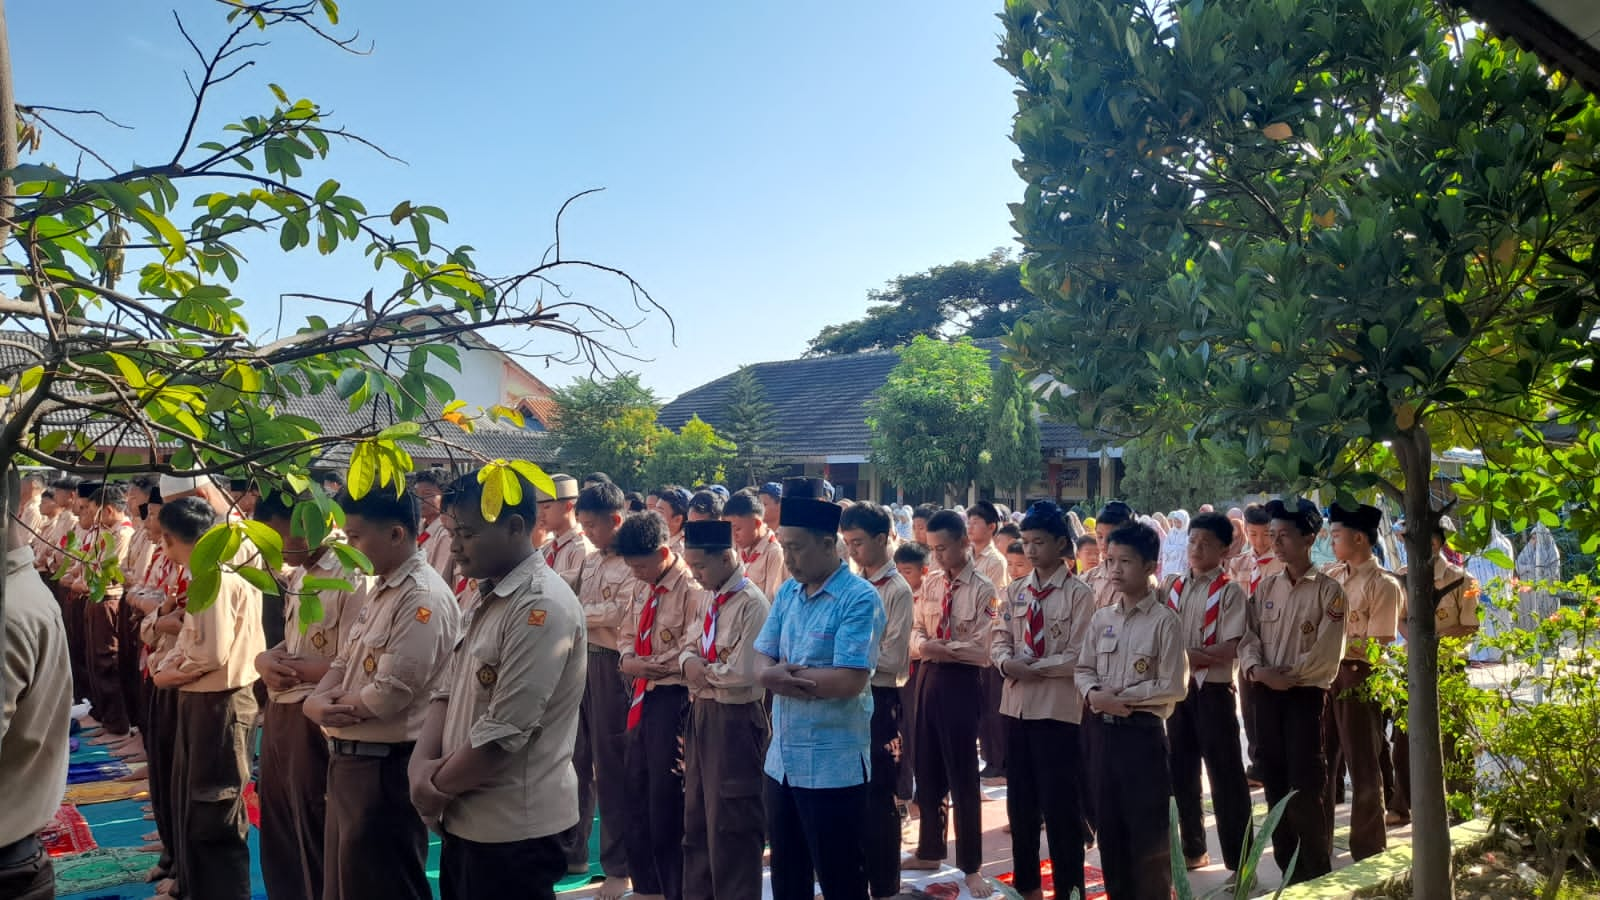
column 1017, row 548
column 1216, row 523
column 635, row 501
column 435, row 476
column 675, row 497
column 597, row 478
column 467, row 489
column 1141, row 538
column 924, row 511
column 1087, row 539
column 1114, row 513
column 744, row 503
column 187, row 518
column 707, row 502
column 948, row 521
column 381, row 505
column 911, row 552
column 1256, row 514
column 601, row 498
column 67, row 483
column 1047, row 517
column 641, row 534
column 112, row 494
column 984, row 510
column 276, row 505
column 868, row 517
column 1009, row 529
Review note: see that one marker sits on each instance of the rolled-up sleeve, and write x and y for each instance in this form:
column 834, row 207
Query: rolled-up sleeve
column 532, row 658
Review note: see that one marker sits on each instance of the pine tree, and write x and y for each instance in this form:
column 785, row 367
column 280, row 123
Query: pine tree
column 752, row 427
column 1010, row 454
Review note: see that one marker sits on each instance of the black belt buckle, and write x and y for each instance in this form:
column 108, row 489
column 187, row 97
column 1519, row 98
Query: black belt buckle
column 364, row 748
column 20, row 851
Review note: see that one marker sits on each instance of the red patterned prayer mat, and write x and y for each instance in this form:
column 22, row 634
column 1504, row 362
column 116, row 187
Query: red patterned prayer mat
column 67, row 833
column 1094, row 882
column 252, row 804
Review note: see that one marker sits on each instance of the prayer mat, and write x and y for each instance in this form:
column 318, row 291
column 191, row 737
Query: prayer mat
column 67, row 833
column 107, row 791
column 96, row 770
column 97, row 870
column 1094, row 881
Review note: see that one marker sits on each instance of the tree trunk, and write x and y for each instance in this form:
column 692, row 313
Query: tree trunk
column 1430, row 832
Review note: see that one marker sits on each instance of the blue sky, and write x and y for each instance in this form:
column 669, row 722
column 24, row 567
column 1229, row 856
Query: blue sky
column 765, row 164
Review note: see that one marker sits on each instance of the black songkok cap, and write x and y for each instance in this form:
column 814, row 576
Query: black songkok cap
column 1362, row 518
column 86, row 489
column 713, row 535
column 806, row 489
column 1303, row 513
column 805, row 512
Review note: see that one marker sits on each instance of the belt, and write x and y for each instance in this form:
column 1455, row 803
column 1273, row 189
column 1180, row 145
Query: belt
column 1138, row 718
column 21, row 851
column 369, row 749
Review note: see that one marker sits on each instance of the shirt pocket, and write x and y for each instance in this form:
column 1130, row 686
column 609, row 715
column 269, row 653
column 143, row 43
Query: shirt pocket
column 1271, row 611
column 1105, row 647
column 373, row 646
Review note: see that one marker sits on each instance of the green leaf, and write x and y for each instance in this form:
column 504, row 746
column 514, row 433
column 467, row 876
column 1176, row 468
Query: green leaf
column 203, row 587
column 268, row 541
column 493, row 492
column 351, row 558
column 363, row 472
column 535, row 476
column 212, row 548
column 260, row 579
column 1499, row 558
column 319, row 583
column 162, row 226
column 1455, row 316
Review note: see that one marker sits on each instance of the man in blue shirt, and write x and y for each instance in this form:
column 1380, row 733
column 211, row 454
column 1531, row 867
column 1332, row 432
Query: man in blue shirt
column 818, row 649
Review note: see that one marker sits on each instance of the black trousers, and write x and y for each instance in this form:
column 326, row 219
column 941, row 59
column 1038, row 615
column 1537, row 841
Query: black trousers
column 1042, row 775
column 375, row 845
column 72, row 615
column 293, row 788
column 1131, row 789
column 1247, row 689
column 211, row 764
column 102, row 640
column 883, row 818
column 160, row 741
column 1086, row 779
column 469, row 870
column 1294, row 760
column 908, row 728
column 724, row 827
column 948, row 707
column 992, row 728
column 654, row 830
column 1356, row 732
column 129, row 673
column 599, row 756
column 33, row 879
column 1204, row 727
column 820, row 833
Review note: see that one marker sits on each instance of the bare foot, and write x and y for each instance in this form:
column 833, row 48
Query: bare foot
column 156, row 873
column 613, row 888
column 152, row 847
column 918, row 864
column 978, row 886
column 151, row 836
column 167, row 887
column 103, row 739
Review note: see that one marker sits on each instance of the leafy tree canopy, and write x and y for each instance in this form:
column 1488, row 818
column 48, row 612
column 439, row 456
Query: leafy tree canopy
column 752, row 427
column 608, row 424
column 694, row 455
column 1010, row 457
column 1163, row 473
column 929, row 419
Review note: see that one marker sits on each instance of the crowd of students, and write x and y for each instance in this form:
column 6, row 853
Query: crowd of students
column 714, row 672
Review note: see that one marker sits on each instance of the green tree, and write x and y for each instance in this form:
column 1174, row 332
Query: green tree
column 1163, row 473
column 978, row 298
column 929, row 419
column 126, row 349
column 694, row 455
column 750, row 424
column 608, row 424
column 1010, row 456
column 1371, row 232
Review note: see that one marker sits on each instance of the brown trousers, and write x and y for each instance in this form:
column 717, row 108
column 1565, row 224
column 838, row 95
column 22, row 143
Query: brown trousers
column 598, row 756
column 161, row 726
column 1357, row 730
column 724, row 823
column 129, row 673
column 72, row 615
column 375, row 845
column 32, row 879
column 211, row 764
column 102, row 642
column 293, row 785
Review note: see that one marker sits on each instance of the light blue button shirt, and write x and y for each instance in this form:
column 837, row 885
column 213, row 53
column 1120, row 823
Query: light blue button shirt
column 823, row 743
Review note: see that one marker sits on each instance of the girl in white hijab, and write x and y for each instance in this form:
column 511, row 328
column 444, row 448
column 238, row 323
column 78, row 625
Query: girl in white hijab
column 1175, row 546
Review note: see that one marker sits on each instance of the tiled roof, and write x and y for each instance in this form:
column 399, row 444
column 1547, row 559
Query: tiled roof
column 820, row 404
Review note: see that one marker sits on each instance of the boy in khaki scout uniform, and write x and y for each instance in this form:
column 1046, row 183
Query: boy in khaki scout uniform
column 372, row 703
column 1293, row 640
column 659, row 627
column 434, row 538
column 293, row 780
column 866, row 527
column 1204, row 726
column 951, row 633
column 756, row 543
column 105, row 545
column 1132, row 670
column 1036, row 649
column 1373, row 598
column 983, row 520
column 566, row 548
column 911, row 561
column 493, row 765
column 725, row 742
column 605, row 588
column 211, row 666
column 1254, row 562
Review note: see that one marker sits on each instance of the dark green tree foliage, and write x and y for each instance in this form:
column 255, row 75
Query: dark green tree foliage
column 1163, row 473
column 608, row 424
column 693, row 455
column 1010, row 457
column 929, row 419
column 981, row 298
column 750, row 424
column 1329, row 234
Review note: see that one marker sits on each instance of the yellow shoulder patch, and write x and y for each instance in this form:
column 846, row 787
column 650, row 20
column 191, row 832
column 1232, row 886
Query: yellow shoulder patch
column 424, row 614
column 536, row 617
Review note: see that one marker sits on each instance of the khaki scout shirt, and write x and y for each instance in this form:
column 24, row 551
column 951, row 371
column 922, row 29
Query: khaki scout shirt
column 434, row 542
column 1231, row 614
column 565, row 553
column 1067, row 610
column 1248, row 569
column 322, row 639
column 38, row 702
column 1099, row 581
column 515, row 680
column 1137, row 654
column 47, row 541
column 221, row 642
column 396, row 651
column 1297, row 624
column 732, row 678
column 1458, row 605
column 605, row 588
column 763, row 563
column 675, row 628
column 991, row 564
column 1373, row 599
column 973, row 612
column 894, row 652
